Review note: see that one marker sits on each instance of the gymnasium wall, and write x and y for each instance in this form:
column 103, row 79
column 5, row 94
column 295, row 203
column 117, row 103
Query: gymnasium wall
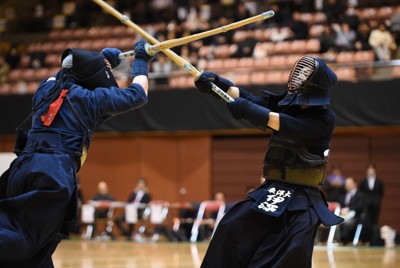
column 192, row 168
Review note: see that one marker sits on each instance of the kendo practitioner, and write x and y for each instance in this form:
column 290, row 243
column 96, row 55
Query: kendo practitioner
column 39, row 190
column 276, row 224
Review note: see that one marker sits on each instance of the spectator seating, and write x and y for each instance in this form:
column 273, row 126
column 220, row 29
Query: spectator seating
column 273, row 56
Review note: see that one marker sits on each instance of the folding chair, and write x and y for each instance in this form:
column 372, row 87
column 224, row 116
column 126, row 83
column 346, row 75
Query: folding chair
column 207, row 207
column 154, row 213
column 335, row 208
column 87, row 217
column 158, row 214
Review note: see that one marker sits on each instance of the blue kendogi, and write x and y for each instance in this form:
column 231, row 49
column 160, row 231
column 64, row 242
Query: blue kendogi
column 40, row 196
column 276, row 224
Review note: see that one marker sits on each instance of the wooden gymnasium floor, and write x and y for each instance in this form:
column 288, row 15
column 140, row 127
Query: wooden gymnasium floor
column 77, row 253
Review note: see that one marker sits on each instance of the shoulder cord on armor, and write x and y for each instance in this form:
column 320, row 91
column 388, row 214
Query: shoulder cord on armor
column 88, row 132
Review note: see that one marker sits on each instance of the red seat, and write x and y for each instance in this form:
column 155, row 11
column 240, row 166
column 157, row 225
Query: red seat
column 66, row 34
column 307, row 17
column 25, row 60
column 396, row 72
column 245, row 63
column 53, row 60
column 345, row 57
column 313, row 45
column 242, row 79
column 105, row 31
column 32, row 87
column 111, row 42
column 364, row 56
column 126, row 43
column 385, row 13
column 222, row 51
column 230, row 63
column 346, row 74
column 204, row 51
column 80, row 33
column 41, row 74
column 14, row 75
column 319, row 17
column 316, row 30
column 72, row 44
column 277, row 77
column 298, row 46
column 215, row 64
column 292, row 59
column 280, row 48
column 262, row 63
column 259, row 35
column 119, row 31
column 55, row 34
column 369, row 13
column 28, row 75
column 5, row 89
column 239, row 36
column 32, row 47
column 59, row 47
column 278, row 61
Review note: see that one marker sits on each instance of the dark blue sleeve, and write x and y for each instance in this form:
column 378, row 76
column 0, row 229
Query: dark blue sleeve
column 263, row 101
column 310, row 125
column 112, row 101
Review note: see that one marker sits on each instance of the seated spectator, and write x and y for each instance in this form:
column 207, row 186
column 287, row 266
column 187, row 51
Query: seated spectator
column 344, row 37
column 103, row 194
column 282, row 16
column 327, row 39
column 362, row 40
column 260, row 51
column 351, row 18
column 37, row 60
column 352, row 203
column 298, row 27
column 383, row 43
column 13, row 56
column 246, row 46
column 334, row 184
column 279, row 34
column 162, row 66
column 395, row 26
column 333, row 10
column 140, row 196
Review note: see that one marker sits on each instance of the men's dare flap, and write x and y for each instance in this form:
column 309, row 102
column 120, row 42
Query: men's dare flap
column 274, row 201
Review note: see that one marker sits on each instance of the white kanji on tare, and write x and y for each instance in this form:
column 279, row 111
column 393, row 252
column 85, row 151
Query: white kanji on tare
column 276, row 197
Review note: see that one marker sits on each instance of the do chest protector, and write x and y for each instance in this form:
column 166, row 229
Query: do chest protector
column 287, row 161
column 58, row 97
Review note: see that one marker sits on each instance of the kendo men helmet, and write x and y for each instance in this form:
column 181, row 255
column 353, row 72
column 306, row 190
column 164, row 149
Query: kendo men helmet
column 310, row 82
column 89, row 69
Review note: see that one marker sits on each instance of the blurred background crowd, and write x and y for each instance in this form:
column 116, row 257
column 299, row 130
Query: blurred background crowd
column 349, row 34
